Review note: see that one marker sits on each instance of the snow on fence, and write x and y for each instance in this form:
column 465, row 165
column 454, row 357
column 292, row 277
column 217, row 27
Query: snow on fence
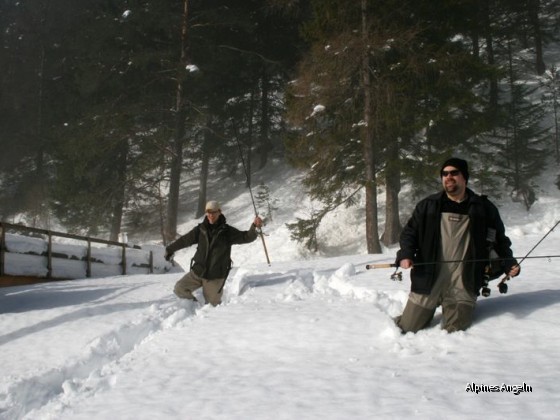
column 35, row 254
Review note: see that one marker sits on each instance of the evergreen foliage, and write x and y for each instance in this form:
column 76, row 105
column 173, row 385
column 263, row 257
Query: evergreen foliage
column 551, row 99
column 305, row 230
column 521, row 142
column 361, row 95
column 263, row 199
column 423, row 104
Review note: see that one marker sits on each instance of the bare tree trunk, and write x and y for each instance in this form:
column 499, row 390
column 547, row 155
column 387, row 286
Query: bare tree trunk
column 485, row 15
column 118, row 200
column 174, row 186
column 203, row 183
column 372, row 230
column 556, row 128
column 514, row 151
column 475, row 34
column 36, row 197
column 250, row 134
column 203, row 179
column 393, row 185
column 533, row 11
column 265, row 143
column 246, row 160
column 179, row 136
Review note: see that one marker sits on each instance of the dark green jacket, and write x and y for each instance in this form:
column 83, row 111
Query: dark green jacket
column 212, row 259
column 420, row 240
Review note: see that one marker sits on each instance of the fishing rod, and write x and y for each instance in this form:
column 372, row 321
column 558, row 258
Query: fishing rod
column 391, row 265
column 259, row 230
column 502, row 286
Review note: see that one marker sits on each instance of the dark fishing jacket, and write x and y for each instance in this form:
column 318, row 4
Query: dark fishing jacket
column 212, row 259
column 420, row 240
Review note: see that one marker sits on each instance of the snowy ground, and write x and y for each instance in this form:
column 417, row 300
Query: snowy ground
column 303, row 338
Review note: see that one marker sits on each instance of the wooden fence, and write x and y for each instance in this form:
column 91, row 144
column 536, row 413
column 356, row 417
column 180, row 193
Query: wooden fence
column 50, row 255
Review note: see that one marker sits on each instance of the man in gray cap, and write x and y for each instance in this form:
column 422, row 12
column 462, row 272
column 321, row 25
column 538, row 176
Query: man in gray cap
column 457, row 226
column 212, row 261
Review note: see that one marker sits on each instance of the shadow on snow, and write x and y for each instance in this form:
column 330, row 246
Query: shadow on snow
column 520, row 305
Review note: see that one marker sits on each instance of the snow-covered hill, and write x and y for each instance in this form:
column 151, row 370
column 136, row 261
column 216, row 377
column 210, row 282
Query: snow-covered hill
column 308, row 337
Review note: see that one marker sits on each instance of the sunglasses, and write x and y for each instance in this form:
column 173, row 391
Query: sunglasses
column 453, row 172
column 212, row 211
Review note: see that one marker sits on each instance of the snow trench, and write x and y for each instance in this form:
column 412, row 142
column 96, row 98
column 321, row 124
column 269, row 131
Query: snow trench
column 95, row 369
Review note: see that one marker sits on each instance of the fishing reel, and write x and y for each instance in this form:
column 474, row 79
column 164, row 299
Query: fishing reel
column 397, row 275
column 502, row 286
column 485, row 291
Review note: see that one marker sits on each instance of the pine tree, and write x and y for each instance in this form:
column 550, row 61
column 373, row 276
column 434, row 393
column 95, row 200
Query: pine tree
column 551, row 98
column 393, row 82
column 118, row 91
column 522, row 139
column 264, row 200
column 31, row 61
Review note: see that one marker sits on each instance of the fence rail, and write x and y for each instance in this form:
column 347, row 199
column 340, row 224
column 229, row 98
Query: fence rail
column 49, row 253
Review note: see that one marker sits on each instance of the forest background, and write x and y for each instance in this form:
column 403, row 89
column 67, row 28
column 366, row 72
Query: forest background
column 108, row 109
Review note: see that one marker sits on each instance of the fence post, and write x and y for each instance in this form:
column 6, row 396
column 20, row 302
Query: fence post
column 88, row 258
column 49, row 256
column 123, row 259
column 2, row 249
column 52, row 256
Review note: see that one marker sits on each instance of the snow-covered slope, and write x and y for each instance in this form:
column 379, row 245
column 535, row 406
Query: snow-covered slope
column 308, row 337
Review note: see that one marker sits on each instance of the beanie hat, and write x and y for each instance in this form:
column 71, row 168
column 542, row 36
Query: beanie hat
column 460, row 164
column 212, row 206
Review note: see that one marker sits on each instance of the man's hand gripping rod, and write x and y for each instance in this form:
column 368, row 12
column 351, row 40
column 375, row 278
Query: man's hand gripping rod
column 502, row 286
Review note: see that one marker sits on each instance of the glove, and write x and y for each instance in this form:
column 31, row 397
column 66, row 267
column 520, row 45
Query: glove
column 168, row 255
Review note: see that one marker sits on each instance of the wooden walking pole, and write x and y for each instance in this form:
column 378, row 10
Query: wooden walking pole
column 259, row 230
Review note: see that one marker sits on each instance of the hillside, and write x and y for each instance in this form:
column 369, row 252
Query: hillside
column 310, row 336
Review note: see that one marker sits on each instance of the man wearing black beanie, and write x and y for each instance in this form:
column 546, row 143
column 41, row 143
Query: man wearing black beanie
column 459, row 164
column 447, row 242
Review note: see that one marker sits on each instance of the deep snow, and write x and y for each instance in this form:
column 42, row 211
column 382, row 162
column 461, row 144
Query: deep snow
column 308, row 337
